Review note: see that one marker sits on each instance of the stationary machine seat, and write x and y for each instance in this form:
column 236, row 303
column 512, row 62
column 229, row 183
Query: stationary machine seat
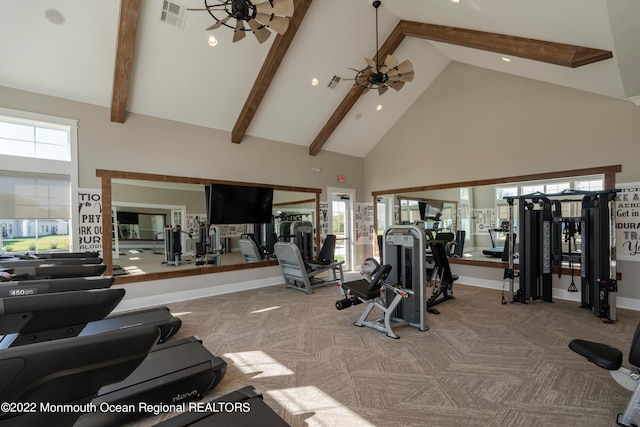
column 374, row 294
column 327, row 253
column 364, row 289
column 603, row 355
column 300, row 276
column 610, row 358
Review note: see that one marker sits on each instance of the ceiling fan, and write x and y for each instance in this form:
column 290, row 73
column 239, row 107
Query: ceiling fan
column 260, row 16
column 390, row 74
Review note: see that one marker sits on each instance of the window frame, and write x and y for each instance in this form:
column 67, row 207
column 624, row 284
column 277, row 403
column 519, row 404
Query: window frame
column 47, row 166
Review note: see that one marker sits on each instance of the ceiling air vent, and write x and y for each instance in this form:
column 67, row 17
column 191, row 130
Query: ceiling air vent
column 173, row 14
column 334, row 82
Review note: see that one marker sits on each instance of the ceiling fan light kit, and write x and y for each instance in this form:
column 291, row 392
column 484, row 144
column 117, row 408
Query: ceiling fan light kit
column 260, row 17
column 390, row 74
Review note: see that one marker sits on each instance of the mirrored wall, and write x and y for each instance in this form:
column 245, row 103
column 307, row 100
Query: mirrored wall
column 150, row 215
column 478, row 207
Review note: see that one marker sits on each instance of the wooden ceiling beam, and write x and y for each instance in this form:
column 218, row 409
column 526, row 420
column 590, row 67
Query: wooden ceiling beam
column 124, row 57
column 562, row 54
column 388, row 47
column 268, row 71
column 537, row 50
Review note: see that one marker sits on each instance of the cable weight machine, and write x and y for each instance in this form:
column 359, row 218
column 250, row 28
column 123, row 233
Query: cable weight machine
column 540, row 248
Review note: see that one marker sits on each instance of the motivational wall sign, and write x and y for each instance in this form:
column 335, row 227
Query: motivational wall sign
column 628, row 222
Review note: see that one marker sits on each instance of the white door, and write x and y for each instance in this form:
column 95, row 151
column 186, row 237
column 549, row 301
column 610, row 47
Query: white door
column 341, row 202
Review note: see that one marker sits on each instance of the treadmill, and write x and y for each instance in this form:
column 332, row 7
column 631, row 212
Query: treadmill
column 67, row 371
column 253, row 412
column 160, row 317
column 51, row 272
column 174, row 372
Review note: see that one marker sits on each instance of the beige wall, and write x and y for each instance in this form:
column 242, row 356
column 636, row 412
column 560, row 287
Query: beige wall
column 474, row 123
column 151, row 145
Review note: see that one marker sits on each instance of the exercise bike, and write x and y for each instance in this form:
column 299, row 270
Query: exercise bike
column 610, row 358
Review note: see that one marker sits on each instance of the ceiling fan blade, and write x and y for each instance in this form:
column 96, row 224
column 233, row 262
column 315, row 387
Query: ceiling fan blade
column 238, row 33
column 372, row 64
column 403, row 68
column 382, row 89
column 278, row 23
column 207, row 8
column 280, row 7
column 384, row 69
column 390, row 61
column 218, row 24
column 260, row 31
column 397, row 85
column 408, row 77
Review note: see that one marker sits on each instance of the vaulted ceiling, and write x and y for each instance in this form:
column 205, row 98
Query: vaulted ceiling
column 121, row 55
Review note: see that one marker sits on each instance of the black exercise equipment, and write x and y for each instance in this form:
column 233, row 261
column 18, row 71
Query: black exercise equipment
column 68, row 371
column 610, row 358
column 496, row 251
column 158, row 316
column 49, row 255
column 441, row 278
column 52, row 272
column 327, row 253
column 241, row 408
column 36, row 318
column 174, row 372
column 46, row 262
column 47, row 286
column 540, row 248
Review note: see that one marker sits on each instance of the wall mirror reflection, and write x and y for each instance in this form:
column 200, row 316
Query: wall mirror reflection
column 479, row 209
column 163, row 228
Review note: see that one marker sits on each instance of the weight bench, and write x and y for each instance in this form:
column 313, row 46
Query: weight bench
column 373, row 292
column 301, row 276
column 610, row 358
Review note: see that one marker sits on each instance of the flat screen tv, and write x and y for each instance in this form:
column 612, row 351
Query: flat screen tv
column 238, row 204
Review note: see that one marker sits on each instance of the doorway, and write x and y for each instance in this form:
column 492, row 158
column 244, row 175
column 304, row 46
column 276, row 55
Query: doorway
column 341, row 201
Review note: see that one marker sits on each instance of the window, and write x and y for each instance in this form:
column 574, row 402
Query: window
column 590, row 185
column 530, row 189
column 502, row 192
column 557, row 187
column 38, row 182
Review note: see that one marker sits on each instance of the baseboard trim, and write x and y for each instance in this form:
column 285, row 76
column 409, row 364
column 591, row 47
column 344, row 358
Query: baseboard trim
column 563, row 294
column 172, row 297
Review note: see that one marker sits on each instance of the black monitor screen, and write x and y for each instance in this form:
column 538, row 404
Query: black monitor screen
column 238, row 204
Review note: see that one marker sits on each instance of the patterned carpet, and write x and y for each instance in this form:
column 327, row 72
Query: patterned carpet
column 481, row 363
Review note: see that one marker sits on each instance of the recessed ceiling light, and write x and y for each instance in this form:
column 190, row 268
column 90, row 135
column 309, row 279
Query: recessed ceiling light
column 314, row 82
column 505, row 59
column 54, row 16
column 379, row 107
column 213, row 41
column 455, row 1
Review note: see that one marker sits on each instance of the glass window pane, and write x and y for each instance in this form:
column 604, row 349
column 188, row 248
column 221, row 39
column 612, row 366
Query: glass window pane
column 52, row 136
column 52, row 152
column 13, row 147
column 15, row 131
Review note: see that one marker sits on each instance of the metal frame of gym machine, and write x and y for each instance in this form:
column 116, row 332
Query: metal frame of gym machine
column 404, row 248
column 538, row 236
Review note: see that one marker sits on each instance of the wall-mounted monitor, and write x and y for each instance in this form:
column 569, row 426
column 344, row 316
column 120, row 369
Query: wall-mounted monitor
column 238, row 204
